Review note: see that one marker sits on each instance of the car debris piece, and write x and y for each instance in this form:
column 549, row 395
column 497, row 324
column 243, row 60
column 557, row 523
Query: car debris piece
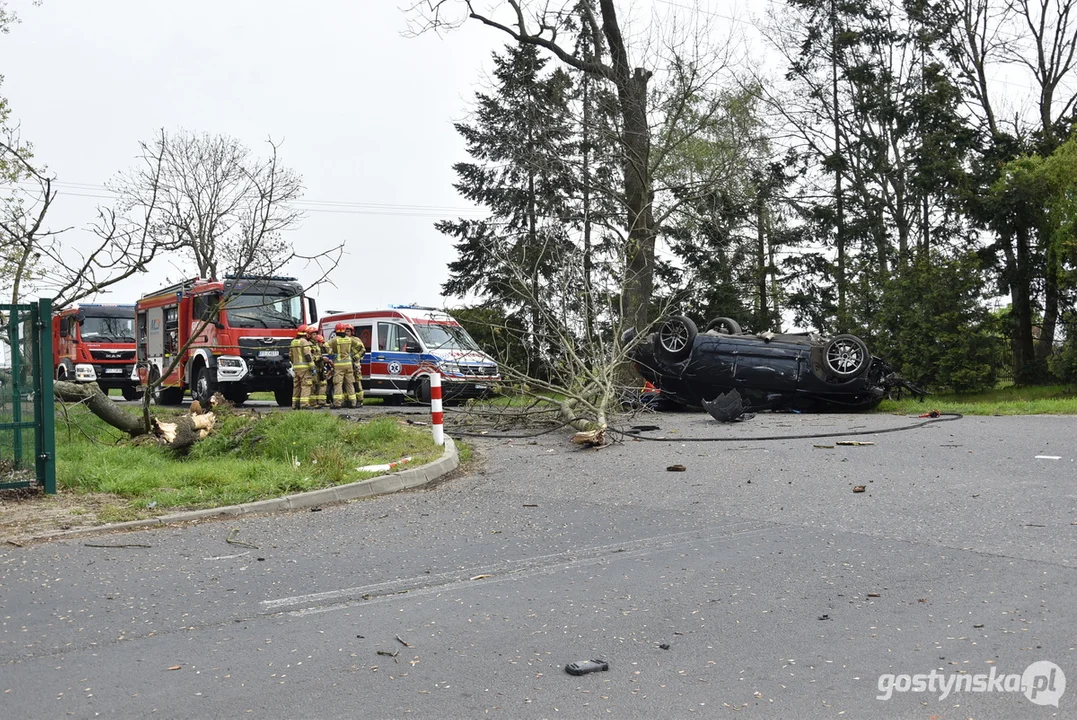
column 583, row 667
column 854, row 443
column 771, row 371
column 859, row 488
column 676, row 468
column 727, row 407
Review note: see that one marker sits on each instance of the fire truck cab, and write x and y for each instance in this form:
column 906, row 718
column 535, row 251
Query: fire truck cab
column 229, row 335
column 96, row 343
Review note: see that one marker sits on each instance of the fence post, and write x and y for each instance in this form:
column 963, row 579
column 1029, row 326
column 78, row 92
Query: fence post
column 45, row 403
column 437, row 417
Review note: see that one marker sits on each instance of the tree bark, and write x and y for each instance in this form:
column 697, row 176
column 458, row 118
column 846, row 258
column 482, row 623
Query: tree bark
column 99, row 405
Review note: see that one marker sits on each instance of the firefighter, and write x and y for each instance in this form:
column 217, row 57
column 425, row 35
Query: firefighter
column 358, row 351
column 320, row 351
column 302, row 367
column 344, row 370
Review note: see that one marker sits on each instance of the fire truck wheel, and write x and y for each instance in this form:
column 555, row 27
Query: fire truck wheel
column 204, row 386
column 61, row 373
column 131, row 392
column 236, row 397
column 283, row 396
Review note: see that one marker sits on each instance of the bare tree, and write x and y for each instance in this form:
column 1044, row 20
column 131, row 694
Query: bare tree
column 215, row 200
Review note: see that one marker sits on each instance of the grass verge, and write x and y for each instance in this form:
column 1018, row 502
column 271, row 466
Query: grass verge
column 1012, row 400
column 249, row 456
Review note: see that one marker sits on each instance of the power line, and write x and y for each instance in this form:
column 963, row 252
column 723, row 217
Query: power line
column 345, row 207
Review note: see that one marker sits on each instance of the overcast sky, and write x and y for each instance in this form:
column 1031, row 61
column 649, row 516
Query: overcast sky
column 365, row 115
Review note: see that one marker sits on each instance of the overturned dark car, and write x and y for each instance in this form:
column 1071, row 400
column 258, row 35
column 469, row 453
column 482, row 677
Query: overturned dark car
column 802, row 372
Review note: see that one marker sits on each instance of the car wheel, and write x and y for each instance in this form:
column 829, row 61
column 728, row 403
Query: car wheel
column 675, row 337
column 724, row 326
column 846, row 356
column 422, row 390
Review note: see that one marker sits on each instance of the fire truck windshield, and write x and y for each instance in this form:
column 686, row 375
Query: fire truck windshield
column 259, row 310
column 108, row 329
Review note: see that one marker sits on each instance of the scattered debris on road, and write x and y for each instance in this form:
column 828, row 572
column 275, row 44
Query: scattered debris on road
column 859, row 488
column 583, row 667
column 727, row 407
column 591, row 438
column 232, row 541
column 676, row 468
column 854, row 443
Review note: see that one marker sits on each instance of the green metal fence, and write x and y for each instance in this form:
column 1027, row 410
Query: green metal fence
column 27, row 415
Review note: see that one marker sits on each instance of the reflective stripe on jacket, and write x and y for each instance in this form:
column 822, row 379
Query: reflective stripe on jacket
column 299, row 354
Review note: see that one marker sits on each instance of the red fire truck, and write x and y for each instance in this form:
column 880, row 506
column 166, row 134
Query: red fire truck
column 96, row 343
column 236, row 331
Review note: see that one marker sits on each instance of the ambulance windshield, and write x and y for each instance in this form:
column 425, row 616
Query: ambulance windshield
column 438, row 336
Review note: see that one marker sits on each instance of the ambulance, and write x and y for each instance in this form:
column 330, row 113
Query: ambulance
column 405, row 345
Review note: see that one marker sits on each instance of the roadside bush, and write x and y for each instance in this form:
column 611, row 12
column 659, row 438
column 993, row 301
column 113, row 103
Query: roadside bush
column 935, row 329
column 1063, row 364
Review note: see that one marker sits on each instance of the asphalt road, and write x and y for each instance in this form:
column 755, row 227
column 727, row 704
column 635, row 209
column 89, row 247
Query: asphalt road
column 755, row 582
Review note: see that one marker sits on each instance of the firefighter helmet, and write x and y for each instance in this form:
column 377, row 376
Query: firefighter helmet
column 339, row 328
column 350, row 327
column 320, row 338
column 301, row 330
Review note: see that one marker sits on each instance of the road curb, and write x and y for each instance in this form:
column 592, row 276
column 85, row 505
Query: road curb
column 380, row 485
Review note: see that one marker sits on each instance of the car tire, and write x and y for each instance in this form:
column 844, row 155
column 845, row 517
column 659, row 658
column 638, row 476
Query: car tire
column 675, row 338
column 422, row 390
column 846, row 356
column 724, row 326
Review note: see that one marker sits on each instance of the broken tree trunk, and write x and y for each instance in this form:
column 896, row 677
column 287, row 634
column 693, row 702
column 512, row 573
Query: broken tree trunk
column 186, row 431
column 99, row 405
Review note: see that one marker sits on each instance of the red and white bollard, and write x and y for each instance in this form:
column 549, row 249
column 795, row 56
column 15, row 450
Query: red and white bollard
column 437, row 417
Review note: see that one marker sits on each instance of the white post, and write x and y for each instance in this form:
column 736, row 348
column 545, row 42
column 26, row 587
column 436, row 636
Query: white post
column 437, row 417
